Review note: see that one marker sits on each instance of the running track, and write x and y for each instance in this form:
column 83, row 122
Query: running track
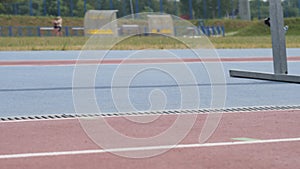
column 272, row 137
column 63, row 144
column 137, row 61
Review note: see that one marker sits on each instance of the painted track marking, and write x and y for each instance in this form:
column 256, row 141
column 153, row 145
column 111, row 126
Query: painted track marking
column 137, row 61
column 149, row 148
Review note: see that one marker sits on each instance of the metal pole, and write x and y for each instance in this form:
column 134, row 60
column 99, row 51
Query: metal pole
column 204, row 9
column 279, row 51
column 99, row 4
column 161, row 6
column 15, row 8
column 232, row 9
column 58, row 7
column 131, row 8
column 30, row 8
column 124, row 7
column 219, row 8
column 71, row 7
column 45, row 7
column 278, row 37
column 111, row 5
column 191, row 9
column 258, row 9
column 176, row 9
column 150, row 4
column 299, row 6
column 137, row 6
column 84, row 6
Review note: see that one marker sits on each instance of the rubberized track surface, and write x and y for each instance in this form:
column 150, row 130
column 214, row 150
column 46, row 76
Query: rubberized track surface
column 31, row 85
column 63, row 144
column 136, row 61
column 39, row 83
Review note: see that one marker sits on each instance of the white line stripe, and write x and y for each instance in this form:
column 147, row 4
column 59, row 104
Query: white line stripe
column 115, row 150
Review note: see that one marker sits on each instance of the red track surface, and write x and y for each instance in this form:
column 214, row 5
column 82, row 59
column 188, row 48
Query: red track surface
column 137, row 61
column 67, row 135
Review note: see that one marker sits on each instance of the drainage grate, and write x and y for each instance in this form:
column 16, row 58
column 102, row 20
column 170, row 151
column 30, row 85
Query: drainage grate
column 164, row 112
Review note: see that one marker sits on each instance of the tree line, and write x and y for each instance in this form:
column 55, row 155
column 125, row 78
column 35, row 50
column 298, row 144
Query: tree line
column 189, row 9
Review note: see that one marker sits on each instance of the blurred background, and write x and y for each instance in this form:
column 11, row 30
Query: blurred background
column 187, row 9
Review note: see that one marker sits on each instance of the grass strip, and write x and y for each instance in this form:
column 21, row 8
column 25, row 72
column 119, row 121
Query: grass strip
column 136, row 43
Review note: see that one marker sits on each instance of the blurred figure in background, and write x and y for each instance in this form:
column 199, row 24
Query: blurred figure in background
column 57, row 24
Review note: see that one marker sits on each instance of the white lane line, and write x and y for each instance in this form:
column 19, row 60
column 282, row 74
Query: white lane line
column 149, row 148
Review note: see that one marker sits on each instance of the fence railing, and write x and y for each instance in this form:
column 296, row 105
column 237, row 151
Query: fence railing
column 38, row 31
column 14, row 31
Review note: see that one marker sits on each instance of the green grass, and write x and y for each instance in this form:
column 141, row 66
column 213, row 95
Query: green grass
column 77, row 43
column 42, row 43
column 252, row 42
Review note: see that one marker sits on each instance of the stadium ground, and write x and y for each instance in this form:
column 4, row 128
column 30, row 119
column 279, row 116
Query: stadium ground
column 40, row 84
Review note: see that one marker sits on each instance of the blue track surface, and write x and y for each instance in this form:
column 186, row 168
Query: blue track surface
column 38, row 90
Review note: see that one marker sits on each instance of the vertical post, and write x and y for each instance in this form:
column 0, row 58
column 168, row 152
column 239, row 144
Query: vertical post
column 175, row 8
column 84, row 6
column 232, row 9
column 38, row 29
column 150, row 4
column 66, row 31
column 111, row 5
column 136, row 6
column 99, row 5
column 219, row 9
column 10, row 31
column 204, row 9
column 124, row 7
column 278, row 37
column 161, row 9
column 131, row 9
column 223, row 31
column 29, row 31
column 45, row 7
column 20, row 33
column 286, row 13
column 299, row 6
column 15, row 8
column 258, row 9
column 191, row 9
column 58, row 7
column 30, row 8
column 71, row 7
column 279, row 50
